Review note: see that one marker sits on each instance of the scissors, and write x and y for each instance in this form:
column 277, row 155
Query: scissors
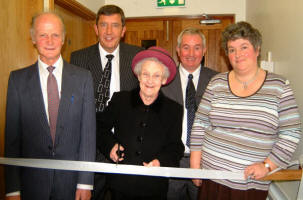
column 119, row 153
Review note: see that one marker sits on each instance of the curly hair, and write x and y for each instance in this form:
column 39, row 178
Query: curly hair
column 241, row 30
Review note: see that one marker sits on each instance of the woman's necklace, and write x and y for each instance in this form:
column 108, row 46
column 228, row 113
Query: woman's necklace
column 246, row 83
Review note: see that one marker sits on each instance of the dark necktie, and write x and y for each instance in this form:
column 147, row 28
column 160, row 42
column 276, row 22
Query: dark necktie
column 103, row 87
column 190, row 104
column 53, row 101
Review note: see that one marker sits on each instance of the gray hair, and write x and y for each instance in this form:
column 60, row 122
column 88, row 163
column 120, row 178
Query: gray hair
column 191, row 31
column 138, row 66
column 34, row 19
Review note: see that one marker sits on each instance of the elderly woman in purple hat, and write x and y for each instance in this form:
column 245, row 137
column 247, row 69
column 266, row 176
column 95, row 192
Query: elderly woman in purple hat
column 147, row 128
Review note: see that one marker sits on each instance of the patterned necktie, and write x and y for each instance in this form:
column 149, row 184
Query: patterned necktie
column 190, row 104
column 53, row 101
column 103, row 87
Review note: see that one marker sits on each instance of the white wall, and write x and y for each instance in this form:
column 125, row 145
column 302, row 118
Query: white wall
column 280, row 23
column 138, row 8
column 93, row 5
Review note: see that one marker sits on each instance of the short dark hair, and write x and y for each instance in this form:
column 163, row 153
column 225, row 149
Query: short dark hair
column 241, row 30
column 110, row 10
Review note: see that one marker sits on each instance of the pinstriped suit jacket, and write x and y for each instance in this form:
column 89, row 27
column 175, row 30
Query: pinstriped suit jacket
column 27, row 132
column 89, row 58
column 174, row 89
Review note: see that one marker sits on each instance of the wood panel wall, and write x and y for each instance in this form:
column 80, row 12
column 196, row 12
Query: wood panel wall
column 164, row 30
column 79, row 31
column 16, row 51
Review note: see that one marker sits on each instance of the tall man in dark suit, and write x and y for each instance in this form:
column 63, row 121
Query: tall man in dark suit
column 51, row 115
column 110, row 28
column 190, row 49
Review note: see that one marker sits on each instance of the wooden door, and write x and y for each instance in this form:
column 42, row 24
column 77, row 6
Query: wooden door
column 163, row 31
column 149, row 32
column 79, row 24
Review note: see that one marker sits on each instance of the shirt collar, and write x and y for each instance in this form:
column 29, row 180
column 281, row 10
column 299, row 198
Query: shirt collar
column 185, row 73
column 58, row 65
column 103, row 52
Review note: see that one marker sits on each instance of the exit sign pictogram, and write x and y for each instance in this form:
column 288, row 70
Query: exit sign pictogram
column 170, row 3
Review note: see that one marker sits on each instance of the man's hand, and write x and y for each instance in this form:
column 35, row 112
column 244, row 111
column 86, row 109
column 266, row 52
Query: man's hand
column 197, row 182
column 16, row 197
column 82, row 194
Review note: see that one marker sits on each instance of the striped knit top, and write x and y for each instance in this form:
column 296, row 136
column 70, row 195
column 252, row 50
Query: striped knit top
column 234, row 132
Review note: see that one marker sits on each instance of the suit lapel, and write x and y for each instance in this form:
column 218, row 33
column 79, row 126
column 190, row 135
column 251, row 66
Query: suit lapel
column 202, row 84
column 174, row 89
column 34, row 88
column 68, row 80
column 94, row 63
column 177, row 87
column 122, row 60
column 126, row 74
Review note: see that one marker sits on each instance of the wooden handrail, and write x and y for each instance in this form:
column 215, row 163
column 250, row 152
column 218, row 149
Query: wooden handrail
column 76, row 8
column 285, row 175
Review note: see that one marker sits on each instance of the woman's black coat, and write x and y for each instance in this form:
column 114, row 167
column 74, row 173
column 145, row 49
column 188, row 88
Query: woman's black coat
column 147, row 133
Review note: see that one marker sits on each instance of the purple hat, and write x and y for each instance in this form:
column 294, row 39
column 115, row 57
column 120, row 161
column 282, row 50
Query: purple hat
column 162, row 55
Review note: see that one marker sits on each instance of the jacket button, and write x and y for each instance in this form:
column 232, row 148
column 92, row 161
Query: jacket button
column 143, row 124
column 138, row 153
column 140, row 139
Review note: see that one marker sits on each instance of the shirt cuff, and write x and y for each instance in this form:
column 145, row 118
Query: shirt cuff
column 17, row 193
column 79, row 186
column 85, row 187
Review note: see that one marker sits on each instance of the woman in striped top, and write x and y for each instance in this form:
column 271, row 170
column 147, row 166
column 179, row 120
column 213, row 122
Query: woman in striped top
column 248, row 120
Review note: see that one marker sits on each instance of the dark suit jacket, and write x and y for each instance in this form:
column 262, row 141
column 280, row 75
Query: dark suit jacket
column 27, row 132
column 174, row 89
column 147, row 133
column 89, row 58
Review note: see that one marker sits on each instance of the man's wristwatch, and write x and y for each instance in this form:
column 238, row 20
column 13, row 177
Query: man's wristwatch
column 267, row 166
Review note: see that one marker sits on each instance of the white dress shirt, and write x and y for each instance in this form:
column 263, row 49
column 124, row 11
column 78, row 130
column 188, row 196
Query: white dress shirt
column 43, row 72
column 184, row 79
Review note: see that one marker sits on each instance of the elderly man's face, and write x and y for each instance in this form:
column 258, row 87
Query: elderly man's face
column 151, row 79
column 110, row 30
column 191, row 51
column 48, row 37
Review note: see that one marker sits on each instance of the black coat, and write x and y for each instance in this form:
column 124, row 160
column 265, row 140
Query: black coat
column 147, row 133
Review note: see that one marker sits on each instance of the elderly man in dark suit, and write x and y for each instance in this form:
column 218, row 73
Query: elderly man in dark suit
column 51, row 115
column 187, row 89
column 110, row 64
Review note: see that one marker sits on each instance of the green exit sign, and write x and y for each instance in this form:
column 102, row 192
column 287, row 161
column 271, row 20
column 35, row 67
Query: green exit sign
column 170, row 3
